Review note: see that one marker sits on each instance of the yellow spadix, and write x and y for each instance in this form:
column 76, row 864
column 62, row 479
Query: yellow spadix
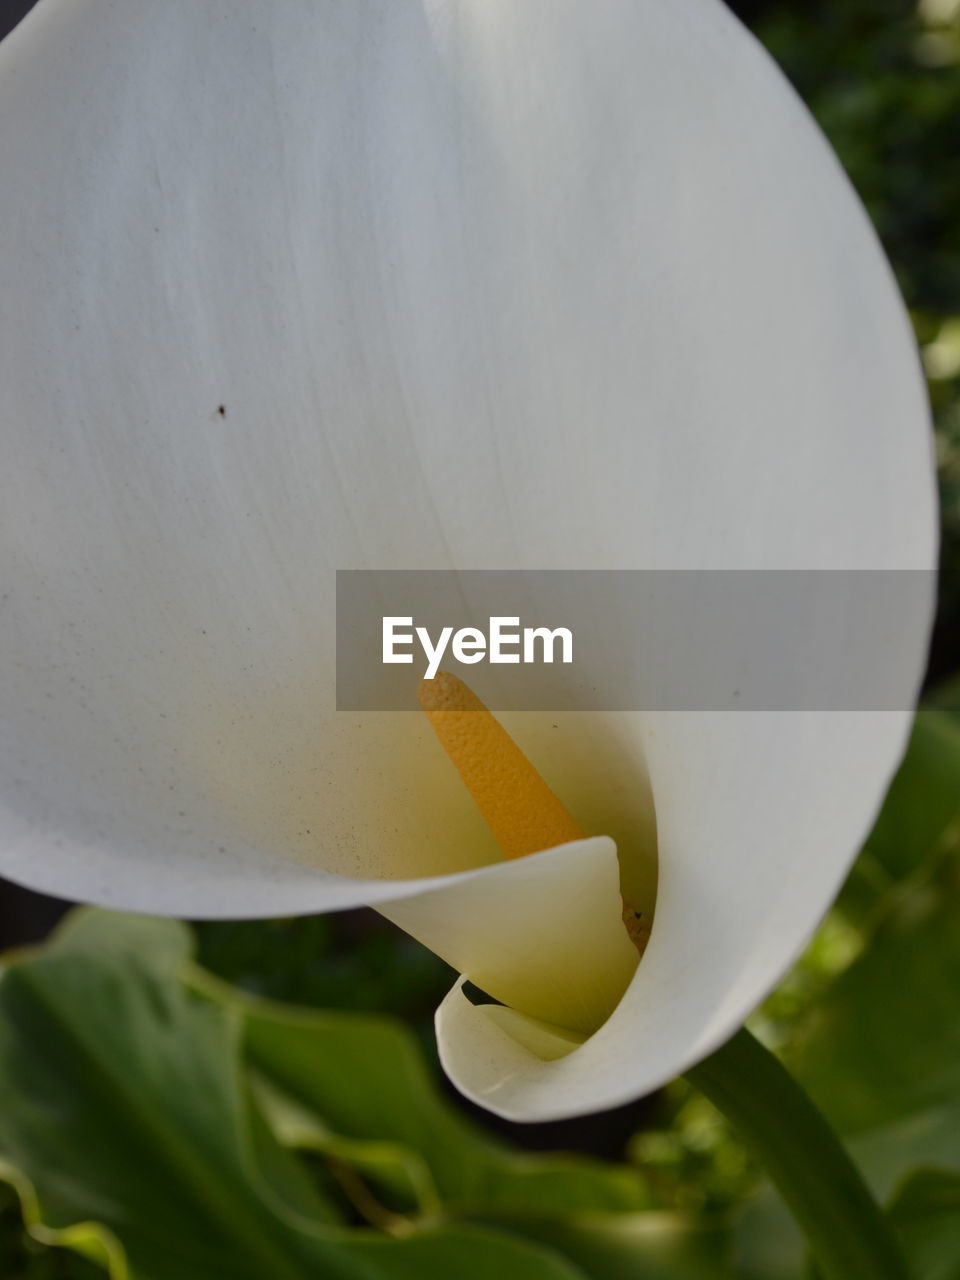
column 519, row 807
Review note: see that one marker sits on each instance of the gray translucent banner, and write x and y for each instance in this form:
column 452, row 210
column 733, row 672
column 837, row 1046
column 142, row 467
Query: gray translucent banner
column 638, row 640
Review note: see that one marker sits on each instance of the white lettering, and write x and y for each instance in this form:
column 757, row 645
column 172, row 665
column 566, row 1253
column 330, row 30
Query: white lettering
column 532, row 634
column 469, row 645
column 434, row 654
column 391, row 640
column 499, row 637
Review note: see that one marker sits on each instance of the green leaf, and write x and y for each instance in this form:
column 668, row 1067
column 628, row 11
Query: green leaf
column 364, row 1078
column 159, row 945
column 767, row 1243
column 130, row 1110
column 847, row 1233
column 919, row 821
column 923, row 803
column 460, row 1252
column 925, row 1140
column 880, row 1049
column 632, row 1246
column 927, row 1215
column 925, row 1208
column 90, row 1240
column 883, row 1043
column 129, row 1128
column 399, row 1176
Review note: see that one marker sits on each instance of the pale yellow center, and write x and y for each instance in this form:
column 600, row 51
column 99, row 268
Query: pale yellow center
column 519, row 807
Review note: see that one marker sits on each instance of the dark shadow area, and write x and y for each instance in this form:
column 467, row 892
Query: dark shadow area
column 25, row 916
column 11, row 11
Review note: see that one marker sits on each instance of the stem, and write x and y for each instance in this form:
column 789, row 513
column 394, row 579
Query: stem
column 845, row 1228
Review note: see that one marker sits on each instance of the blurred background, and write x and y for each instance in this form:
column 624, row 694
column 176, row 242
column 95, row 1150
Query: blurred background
column 869, row 1017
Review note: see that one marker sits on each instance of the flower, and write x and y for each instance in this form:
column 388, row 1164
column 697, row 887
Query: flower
column 432, row 284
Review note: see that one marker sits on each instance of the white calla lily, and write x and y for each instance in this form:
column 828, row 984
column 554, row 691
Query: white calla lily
column 434, row 284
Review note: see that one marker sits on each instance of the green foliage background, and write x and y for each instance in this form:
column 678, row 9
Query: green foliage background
column 262, row 1099
column 883, row 79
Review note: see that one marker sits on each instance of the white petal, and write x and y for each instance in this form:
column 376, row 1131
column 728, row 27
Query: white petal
column 542, row 934
column 746, row 871
column 544, row 1039
column 479, row 283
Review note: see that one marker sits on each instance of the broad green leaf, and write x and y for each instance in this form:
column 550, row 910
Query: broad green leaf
column 364, row 1078
column 399, row 1176
column 162, row 946
column 458, row 1252
column 925, row 1212
column 767, row 1243
column 880, row 1049
column 923, row 803
column 925, row 1140
column 130, row 1111
column 919, row 821
column 927, row 1215
column 128, row 1127
column 770, row 1246
column 90, row 1240
column 632, row 1246
column 915, row 1164
column 883, row 1043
